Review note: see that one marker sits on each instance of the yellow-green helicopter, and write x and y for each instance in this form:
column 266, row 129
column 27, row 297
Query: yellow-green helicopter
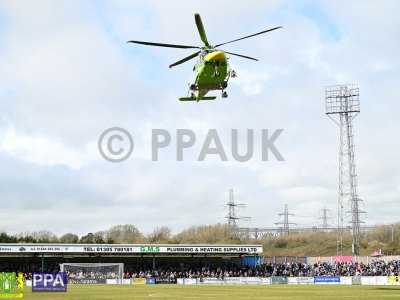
column 212, row 71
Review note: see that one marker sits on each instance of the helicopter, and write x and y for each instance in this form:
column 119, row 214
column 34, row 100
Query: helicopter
column 212, row 71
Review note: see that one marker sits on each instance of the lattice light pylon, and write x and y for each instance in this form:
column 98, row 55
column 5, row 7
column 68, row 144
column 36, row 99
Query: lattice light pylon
column 342, row 106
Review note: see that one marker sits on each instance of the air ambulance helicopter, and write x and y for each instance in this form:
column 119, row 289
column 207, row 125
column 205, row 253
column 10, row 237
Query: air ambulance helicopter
column 212, row 71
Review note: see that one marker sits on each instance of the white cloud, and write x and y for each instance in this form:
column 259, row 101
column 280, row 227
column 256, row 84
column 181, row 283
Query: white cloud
column 43, row 151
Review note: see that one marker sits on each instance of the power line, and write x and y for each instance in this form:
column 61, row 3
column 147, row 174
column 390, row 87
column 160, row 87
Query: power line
column 232, row 216
column 285, row 222
column 325, row 217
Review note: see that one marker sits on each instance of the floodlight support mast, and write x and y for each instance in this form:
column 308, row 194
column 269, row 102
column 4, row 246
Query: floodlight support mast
column 342, row 106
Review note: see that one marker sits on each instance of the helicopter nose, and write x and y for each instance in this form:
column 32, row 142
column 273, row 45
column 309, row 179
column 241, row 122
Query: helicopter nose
column 215, row 56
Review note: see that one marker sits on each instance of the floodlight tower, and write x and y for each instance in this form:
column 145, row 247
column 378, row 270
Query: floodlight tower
column 342, row 106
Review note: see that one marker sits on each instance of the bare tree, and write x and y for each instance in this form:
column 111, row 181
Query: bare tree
column 160, row 235
column 127, row 234
column 69, row 238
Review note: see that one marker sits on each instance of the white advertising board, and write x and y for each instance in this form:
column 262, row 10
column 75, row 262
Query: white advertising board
column 346, row 280
column 374, row 280
column 211, row 280
column 129, row 248
column 300, row 280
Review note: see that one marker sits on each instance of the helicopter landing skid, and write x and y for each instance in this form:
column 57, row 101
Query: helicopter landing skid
column 196, row 99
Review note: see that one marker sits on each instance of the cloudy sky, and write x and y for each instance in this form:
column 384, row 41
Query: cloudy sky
column 67, row 74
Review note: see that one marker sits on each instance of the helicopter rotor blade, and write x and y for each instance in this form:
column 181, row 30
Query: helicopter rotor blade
column 248, row 36
column 244, row 56
column 201, row 30
column 164, row 45
column 191, row 56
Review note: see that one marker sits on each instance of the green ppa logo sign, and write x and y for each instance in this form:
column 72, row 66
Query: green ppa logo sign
column 11, row 286
column 149, row 249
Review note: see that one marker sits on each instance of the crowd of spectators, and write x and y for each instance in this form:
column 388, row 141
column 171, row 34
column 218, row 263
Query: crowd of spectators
column 375, row 268
column 91, row 275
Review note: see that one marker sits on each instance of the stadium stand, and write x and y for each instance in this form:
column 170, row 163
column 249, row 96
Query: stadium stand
column 170, row 262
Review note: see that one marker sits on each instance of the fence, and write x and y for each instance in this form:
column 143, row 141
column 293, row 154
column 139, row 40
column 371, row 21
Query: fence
column 360, row 259
column 285, row 259
column 320, row 280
